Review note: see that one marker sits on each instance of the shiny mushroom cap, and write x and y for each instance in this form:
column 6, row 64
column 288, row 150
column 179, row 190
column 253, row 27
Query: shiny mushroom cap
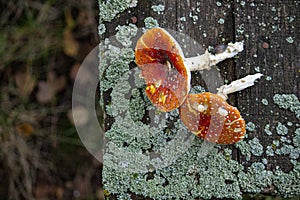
column 161, row 60
column 210, row 117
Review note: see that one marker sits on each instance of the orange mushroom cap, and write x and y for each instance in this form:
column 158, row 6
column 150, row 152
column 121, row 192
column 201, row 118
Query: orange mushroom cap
column 161, row 60
column 210, row 117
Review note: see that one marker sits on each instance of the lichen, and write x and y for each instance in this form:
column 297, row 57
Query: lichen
column 150, row 22
column 290, row 40
column 244, row 148
column 136, row 106
column 250, row 126
column 264, row 102
column 256, row 179
column 296, row 138
column 110, row 9
column 282, row 129
column 256, row 147
column 287, row 184
column 101, row 29
column 288, row 101
column 161, row 159
column 158, row 8
column 221, row 21
column 267, row 129
column 125, row 34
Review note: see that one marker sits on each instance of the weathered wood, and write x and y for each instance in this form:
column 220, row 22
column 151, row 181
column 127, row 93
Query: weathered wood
column 265, row 27
column 270, row 30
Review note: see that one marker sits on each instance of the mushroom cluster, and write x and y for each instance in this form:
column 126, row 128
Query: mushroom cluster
column 167, row 74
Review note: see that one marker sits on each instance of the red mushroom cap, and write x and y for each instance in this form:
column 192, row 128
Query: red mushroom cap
column 161, row 60
column 210, row 117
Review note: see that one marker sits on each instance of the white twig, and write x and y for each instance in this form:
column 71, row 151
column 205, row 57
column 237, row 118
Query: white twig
column 238, row 85
column 206, row 60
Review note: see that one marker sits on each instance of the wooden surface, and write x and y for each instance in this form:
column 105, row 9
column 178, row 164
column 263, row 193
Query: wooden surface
column 264, row 26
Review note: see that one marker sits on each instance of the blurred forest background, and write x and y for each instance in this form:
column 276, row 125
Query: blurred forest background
column 42, row 44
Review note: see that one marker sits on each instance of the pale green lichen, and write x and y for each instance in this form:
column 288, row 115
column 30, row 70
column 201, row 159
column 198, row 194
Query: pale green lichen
column 287, row 184
column 256, row 179
column 136, row 106
column 101, row 29
column 290, row 40
column 244, row 148
column 256, row 147
column 197, row 89
column 221, row 21
column 267, row 129
column 109, row 9
column 296, row 138
column 250, row 126
column 281, row 129
column 159, row 9
column 150, row 22
column 113, row 64
column 270, row 151
column 124, row 197
column 268, row 78
column 265, row 102
column 162, row 159
column 288, row 101
column 125, row 34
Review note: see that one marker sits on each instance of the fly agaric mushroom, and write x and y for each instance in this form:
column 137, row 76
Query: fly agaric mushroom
column 210, row 117
column 165, row 69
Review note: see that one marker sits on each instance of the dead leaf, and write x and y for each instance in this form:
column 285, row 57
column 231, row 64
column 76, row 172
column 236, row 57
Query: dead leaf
column 25, row 83
column 44, row 191
column 57, row 83
column 48, row 89
column 71, row 46
column 25, row 129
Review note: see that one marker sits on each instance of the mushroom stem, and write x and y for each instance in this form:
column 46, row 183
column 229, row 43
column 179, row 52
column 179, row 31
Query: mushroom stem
column 238, row 85
column 206, row 60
